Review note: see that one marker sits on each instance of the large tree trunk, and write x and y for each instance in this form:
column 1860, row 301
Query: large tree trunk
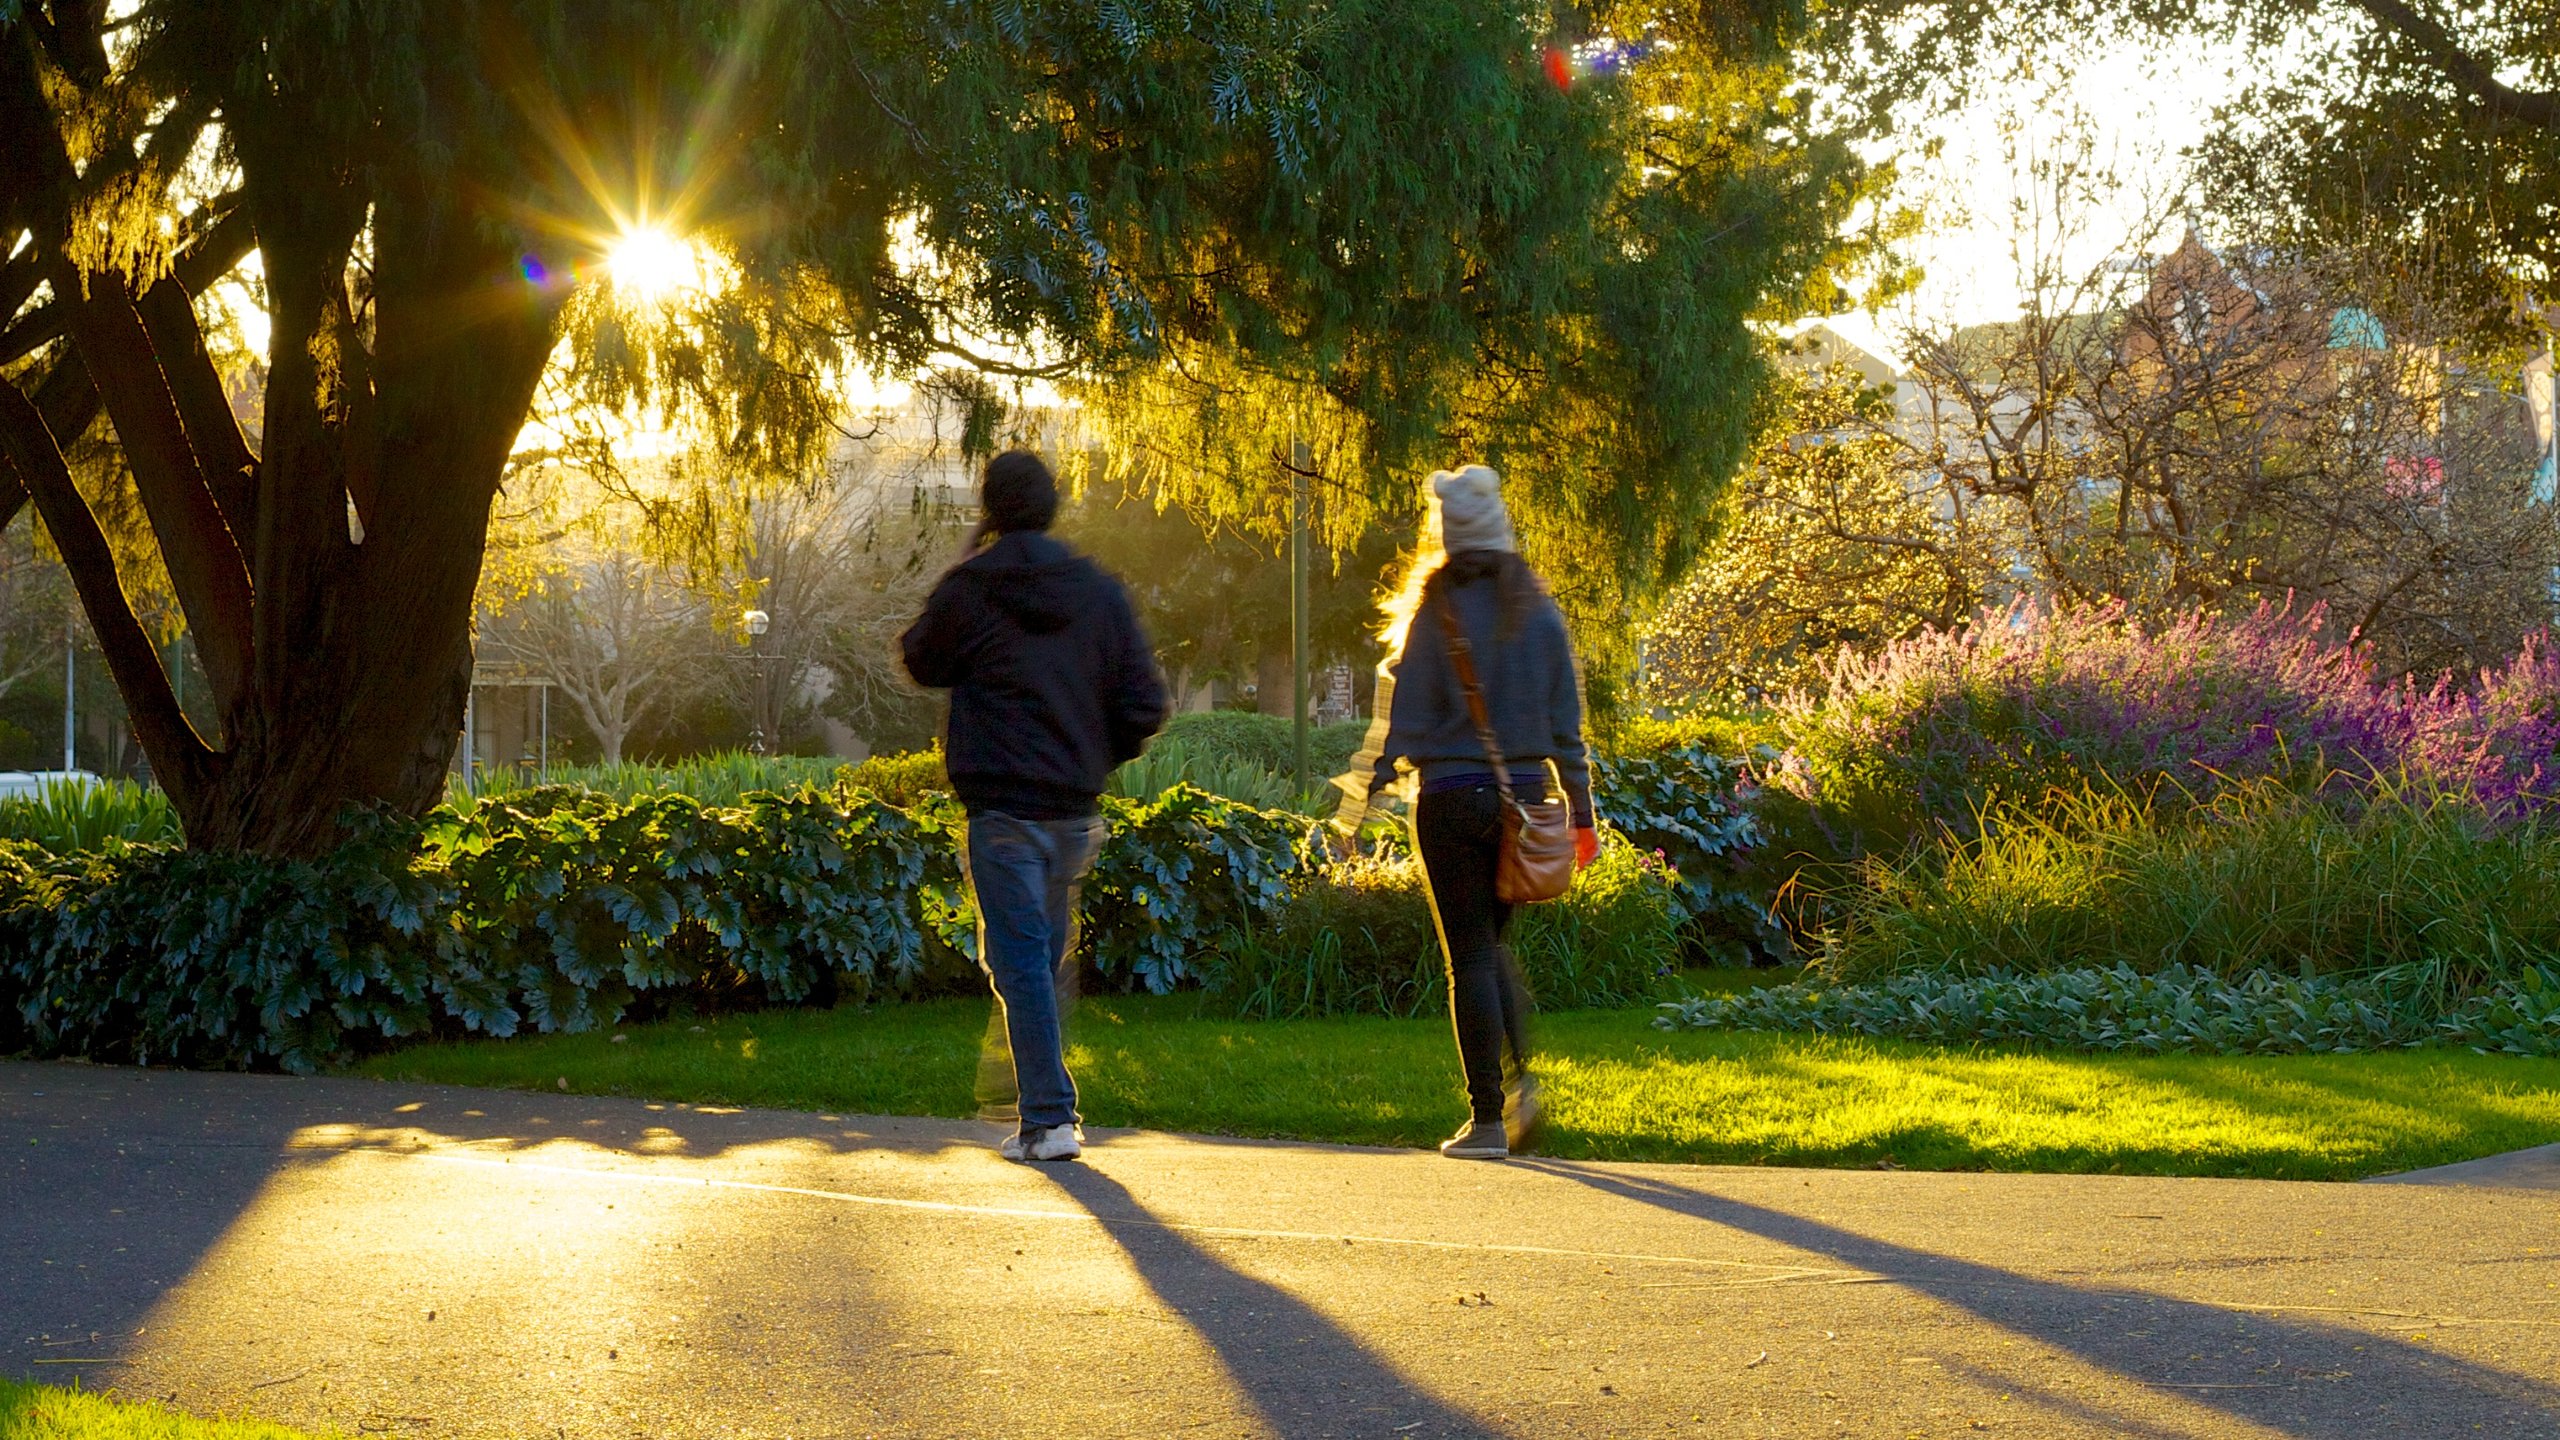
column 339, row 666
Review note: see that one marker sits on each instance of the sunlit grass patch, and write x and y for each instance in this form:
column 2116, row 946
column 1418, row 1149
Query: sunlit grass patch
column 1616, row 1088
column 42, row 1412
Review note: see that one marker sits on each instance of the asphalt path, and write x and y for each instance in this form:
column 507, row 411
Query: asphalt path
column 413, row 1260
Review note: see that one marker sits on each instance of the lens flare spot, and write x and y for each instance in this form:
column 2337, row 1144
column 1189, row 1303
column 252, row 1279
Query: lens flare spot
column 652, row 264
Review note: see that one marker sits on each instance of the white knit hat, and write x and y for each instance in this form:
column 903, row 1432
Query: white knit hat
column 1471, row 513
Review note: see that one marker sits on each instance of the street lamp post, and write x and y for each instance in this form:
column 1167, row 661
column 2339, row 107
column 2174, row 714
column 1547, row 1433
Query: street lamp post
column 757, row 623
column 70, row 694
column 1299, row 464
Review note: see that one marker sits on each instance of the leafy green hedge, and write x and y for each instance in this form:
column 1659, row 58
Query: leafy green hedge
column 561, row 909
column 67, row 815
column 1687, row 803
column 564, row 908
column 2176, row 1009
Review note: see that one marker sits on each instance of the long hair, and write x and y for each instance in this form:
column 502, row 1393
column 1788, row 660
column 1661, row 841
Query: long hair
column 1431, row 570
column 1520, row 586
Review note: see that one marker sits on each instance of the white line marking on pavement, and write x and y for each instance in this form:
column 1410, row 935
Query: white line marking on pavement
column 1780, row 1273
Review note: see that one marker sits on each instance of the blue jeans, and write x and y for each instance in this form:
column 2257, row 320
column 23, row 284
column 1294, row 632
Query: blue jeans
column 1024, row 874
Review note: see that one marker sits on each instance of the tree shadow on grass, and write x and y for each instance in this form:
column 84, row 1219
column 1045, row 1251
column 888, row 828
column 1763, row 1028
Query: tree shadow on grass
column 2279, row 1370
column 1304, row 1374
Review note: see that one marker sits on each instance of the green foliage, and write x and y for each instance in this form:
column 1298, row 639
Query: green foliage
column 2265, row 879
column 725, row 778
column 160, row 955
column 1357, row 937
column 1170, row 762
column 558, row 909
column 1354, row 939
column 1214, row 599
column 1827, row 539
column 1241, row 755
column 1611, row 941
column 901, row 779
column 1377, row 223
column 1269, row 741
column 1686, row 806
column 1187, row 881
column 1636, row 736
column 2420, row 126
column 44, row 1412
column 2177, row 1008
column 69, row 816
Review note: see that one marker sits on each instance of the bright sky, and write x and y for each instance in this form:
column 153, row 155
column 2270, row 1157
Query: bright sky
column 2144, row 105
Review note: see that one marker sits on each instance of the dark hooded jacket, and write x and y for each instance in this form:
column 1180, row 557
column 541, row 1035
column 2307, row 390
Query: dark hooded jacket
column 1052, row 683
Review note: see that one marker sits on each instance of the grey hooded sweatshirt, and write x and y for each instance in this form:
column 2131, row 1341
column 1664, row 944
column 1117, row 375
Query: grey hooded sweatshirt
column 1531, row 690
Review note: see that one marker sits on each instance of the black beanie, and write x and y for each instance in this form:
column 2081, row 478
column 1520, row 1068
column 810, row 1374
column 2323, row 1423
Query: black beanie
column 1020, row 495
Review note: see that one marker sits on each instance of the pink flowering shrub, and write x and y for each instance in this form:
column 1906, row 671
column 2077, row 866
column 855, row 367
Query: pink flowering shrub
column 1917, row 741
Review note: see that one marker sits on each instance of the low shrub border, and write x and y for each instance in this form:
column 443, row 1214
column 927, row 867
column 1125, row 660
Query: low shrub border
column 2178, row 1009
column 559, row 909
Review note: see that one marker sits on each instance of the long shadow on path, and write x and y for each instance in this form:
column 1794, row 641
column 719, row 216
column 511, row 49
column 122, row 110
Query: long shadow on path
column 1303, row 1373
column 2290, row 1377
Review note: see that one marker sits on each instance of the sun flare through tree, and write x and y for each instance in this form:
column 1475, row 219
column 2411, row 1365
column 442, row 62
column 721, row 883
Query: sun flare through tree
column 1382, row 217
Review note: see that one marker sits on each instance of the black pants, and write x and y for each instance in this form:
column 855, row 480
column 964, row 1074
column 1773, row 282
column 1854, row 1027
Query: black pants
column 1458, row 832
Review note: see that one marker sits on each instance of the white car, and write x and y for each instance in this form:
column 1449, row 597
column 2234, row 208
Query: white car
column 29, row 784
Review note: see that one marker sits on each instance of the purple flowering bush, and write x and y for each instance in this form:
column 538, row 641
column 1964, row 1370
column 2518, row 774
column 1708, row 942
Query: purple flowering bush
column 1919, row 741
column 2059, row 787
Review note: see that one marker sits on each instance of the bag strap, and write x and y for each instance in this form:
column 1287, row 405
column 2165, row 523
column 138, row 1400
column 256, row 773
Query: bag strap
column 1462, row 658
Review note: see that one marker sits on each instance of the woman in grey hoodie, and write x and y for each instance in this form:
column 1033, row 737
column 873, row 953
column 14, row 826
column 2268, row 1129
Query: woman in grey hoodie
column 1524, row 664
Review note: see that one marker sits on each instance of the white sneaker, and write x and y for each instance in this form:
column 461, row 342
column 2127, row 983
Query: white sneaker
column 1045, row 1142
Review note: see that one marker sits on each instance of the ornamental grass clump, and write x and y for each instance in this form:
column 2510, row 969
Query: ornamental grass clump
column 2261, row 878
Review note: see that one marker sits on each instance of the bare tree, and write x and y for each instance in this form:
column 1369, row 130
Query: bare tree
column 2251, row 427
column 2220, row 427
column 837, row 564
column 607, row 627
column 35, row 600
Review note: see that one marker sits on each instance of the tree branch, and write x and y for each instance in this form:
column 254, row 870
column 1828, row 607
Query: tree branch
column 2539, row 108
column 212, row 256
column 204, row 408
column 205, row 562
column 29, row 335
column 360, row 436
column 18, row 279
column 33, row 462
column 68, row 403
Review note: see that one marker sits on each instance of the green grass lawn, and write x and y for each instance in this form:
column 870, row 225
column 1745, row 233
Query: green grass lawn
column 41, row 1412
column 1617, row 1089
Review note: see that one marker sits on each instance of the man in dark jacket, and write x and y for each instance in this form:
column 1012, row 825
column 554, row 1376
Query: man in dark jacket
column 1052, row 687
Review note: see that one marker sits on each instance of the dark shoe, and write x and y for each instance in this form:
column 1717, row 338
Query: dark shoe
column 1481, row 1140
column 1523, row 1118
